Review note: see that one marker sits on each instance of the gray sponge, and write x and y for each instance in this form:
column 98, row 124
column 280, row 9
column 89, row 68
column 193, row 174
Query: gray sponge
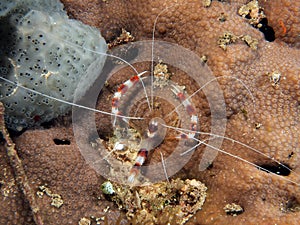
column 41, row 49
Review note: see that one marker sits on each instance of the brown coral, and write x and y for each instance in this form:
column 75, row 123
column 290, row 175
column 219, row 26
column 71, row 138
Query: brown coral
column 53, row 162
column 264, row 197
column 198, row 28
column 14, row 209
column 284, row 18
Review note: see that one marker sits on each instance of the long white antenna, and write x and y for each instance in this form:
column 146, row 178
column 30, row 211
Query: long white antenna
column 67, row 102
column 183, row 131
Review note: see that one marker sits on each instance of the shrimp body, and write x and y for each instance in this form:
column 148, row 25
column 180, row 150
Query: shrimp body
column 190, row 109
column 123, row 88
column 156, row 131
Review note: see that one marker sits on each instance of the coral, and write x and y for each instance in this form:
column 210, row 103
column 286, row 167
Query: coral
column 14, row 208
column 66, row 189
column 269, row 124
column 20, row 179
column 284, row 18
column 276, row 107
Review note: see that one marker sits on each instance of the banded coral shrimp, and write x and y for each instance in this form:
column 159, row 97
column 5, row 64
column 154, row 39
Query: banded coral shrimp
column 190, row 93
column 224, row 77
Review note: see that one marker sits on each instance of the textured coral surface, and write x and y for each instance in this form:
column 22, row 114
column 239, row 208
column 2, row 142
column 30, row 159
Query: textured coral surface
column 285, row 20
column 61, row 168
column 14, row 209
column 264, row 197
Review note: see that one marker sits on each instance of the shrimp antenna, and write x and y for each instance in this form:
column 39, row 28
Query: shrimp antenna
column 164, row 167
column 67, row 102
column 207, row 83
column 183, row 131
column 152, row 48
column 109, row 55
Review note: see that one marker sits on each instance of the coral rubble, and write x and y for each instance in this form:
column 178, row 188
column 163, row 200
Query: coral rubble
column 161, row 203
